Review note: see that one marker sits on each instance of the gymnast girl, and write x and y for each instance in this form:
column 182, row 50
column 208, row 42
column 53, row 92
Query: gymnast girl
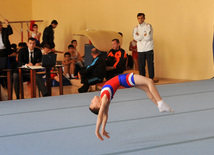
column 100, row 105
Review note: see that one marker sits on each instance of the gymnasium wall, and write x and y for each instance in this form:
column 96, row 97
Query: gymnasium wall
column 183, row 29
column 14, row 10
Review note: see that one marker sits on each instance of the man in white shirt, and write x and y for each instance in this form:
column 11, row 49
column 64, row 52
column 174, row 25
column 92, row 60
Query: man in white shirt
column 143, row 34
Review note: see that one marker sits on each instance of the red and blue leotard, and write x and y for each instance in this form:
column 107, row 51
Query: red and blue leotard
column 111, row 86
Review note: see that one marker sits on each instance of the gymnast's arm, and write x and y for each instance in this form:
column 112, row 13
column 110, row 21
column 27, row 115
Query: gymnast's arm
column 102, row 117
column 105, row 118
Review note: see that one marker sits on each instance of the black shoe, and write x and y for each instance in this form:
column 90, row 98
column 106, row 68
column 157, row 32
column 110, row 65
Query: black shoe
column 83, row 89
column 45, row 95
column 80, row 90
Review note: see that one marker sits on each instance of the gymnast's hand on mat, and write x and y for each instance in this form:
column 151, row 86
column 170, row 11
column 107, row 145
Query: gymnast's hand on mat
column 98, row 135
column 104, row 133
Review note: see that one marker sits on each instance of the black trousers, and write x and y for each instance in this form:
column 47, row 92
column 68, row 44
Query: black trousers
column 142, row 58
column 3, row 81
column 39, row 82
column 3, row 52
column 87, row 80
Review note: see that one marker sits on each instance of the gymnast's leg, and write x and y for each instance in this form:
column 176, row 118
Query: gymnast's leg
column 149, row 94
column 148, row 86
column 141, row 80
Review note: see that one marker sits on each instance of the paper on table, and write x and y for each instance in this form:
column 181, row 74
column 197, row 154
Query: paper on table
column 35, row 67
column 32, row 67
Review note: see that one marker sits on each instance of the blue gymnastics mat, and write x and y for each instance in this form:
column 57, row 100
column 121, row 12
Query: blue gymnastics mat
column 63, row 125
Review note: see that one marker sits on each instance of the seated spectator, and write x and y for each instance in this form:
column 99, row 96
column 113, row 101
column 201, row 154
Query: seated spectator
column 55, row 76
column 47, row 50
column 74, row 43
column 67, row 62
column 14, row 64
column 13, row 50
column 76, row 59
column 66, row 75
column 116, row 60
column 94, row 73
column 20, row 46
column 30, row 56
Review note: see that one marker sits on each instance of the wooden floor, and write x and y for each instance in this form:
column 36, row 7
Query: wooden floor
column 73, row 89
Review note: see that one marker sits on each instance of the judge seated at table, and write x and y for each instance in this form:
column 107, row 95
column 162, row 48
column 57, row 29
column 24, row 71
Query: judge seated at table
column 30, row 56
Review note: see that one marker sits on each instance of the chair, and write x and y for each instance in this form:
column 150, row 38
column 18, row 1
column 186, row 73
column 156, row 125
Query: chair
column 3, row 68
